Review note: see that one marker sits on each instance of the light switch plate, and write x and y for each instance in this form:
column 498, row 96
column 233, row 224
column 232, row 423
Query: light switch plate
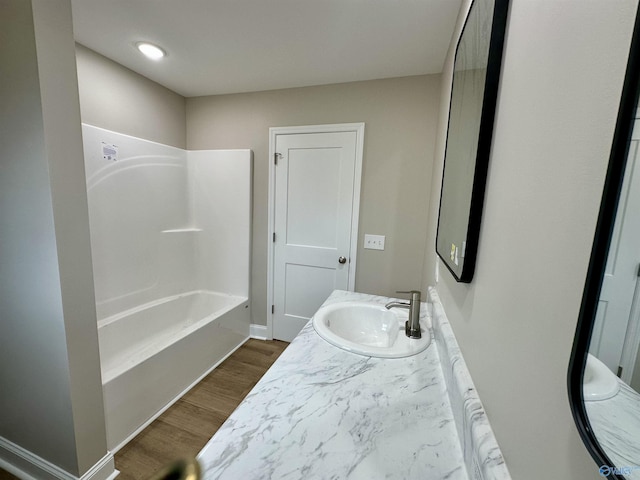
column 374, row 242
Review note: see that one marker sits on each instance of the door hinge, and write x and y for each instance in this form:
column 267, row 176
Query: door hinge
column 273, row 309
column 619, row 374
column 275, row 157
column 638, row 270
column 274, row 237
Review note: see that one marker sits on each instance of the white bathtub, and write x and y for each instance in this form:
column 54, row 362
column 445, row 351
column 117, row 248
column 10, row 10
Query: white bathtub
column 152, row 354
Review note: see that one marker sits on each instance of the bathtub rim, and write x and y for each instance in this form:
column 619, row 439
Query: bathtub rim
column 154, row 303
column 111, row 373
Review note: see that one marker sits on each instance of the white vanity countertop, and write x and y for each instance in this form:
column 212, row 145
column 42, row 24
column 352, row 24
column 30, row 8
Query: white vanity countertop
column 616, row 425
column 323, row 413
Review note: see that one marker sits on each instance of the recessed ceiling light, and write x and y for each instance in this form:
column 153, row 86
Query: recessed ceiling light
column 150, row 50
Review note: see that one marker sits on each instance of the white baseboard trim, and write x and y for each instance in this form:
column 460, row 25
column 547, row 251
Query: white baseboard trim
column 105, row 469
column 28, row 466
column 175, row 399
column 258, row 332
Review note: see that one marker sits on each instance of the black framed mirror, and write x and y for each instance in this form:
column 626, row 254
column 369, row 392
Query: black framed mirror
column 472, row 107
column 604, row 371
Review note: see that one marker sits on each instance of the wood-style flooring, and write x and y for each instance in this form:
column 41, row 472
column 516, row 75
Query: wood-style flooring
column 7, row 476
column 187, row 426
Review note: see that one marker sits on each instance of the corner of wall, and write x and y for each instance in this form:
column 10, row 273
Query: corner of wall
column 63, row 142
column 118, row 99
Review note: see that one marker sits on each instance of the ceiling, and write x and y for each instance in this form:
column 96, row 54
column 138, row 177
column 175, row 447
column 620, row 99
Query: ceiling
column 230, row 46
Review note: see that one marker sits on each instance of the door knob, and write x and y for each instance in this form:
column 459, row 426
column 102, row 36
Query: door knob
column 342, row 260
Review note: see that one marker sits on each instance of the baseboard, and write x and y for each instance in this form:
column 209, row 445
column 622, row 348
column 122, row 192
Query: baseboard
column 28, row 466
column 258, row 332
column 105, row 469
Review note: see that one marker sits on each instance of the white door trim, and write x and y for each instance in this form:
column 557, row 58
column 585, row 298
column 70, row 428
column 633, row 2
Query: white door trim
column 358, row 128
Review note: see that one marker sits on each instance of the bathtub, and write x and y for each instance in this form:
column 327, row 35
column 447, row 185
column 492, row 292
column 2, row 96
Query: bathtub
column 152, row 354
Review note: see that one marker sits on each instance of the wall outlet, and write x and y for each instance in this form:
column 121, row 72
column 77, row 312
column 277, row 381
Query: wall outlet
column 374, row 242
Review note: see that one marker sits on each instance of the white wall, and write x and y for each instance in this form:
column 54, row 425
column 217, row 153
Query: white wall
column 51, row 400
column 562, row 76
column 132, row 200
column 165, row 221
column 220, row 189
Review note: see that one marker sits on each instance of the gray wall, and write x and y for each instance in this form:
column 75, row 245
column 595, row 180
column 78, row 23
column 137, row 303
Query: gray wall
column 562, row 77
column 400, row 116
column 51, row 399
column 118, row 99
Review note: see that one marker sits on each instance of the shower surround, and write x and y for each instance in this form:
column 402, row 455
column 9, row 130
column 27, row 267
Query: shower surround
column 170, row 239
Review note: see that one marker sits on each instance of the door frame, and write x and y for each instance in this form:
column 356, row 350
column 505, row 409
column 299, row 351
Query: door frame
column 358, row 128
column 632, row 337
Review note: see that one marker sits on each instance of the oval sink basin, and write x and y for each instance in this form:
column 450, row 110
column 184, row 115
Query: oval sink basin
column 368, row 329
column 599, row 383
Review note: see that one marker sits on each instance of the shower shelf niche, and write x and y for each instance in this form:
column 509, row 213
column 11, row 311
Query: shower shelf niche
column 182, row 230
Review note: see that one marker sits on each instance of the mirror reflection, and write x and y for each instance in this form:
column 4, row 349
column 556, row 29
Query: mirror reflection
column 469, row 74
column 612, row 374
column 472, row 106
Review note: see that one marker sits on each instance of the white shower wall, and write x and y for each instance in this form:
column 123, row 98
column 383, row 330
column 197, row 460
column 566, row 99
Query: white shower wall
column 165, row 221
column 220, row 187
column 170, row 239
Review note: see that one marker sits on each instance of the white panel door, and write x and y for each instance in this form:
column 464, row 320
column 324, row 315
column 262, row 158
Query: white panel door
column 621, row 275
column 314, row 196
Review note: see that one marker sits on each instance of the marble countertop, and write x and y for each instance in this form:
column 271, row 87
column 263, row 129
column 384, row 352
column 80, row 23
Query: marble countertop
column 616, row 425
column 323, row 413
